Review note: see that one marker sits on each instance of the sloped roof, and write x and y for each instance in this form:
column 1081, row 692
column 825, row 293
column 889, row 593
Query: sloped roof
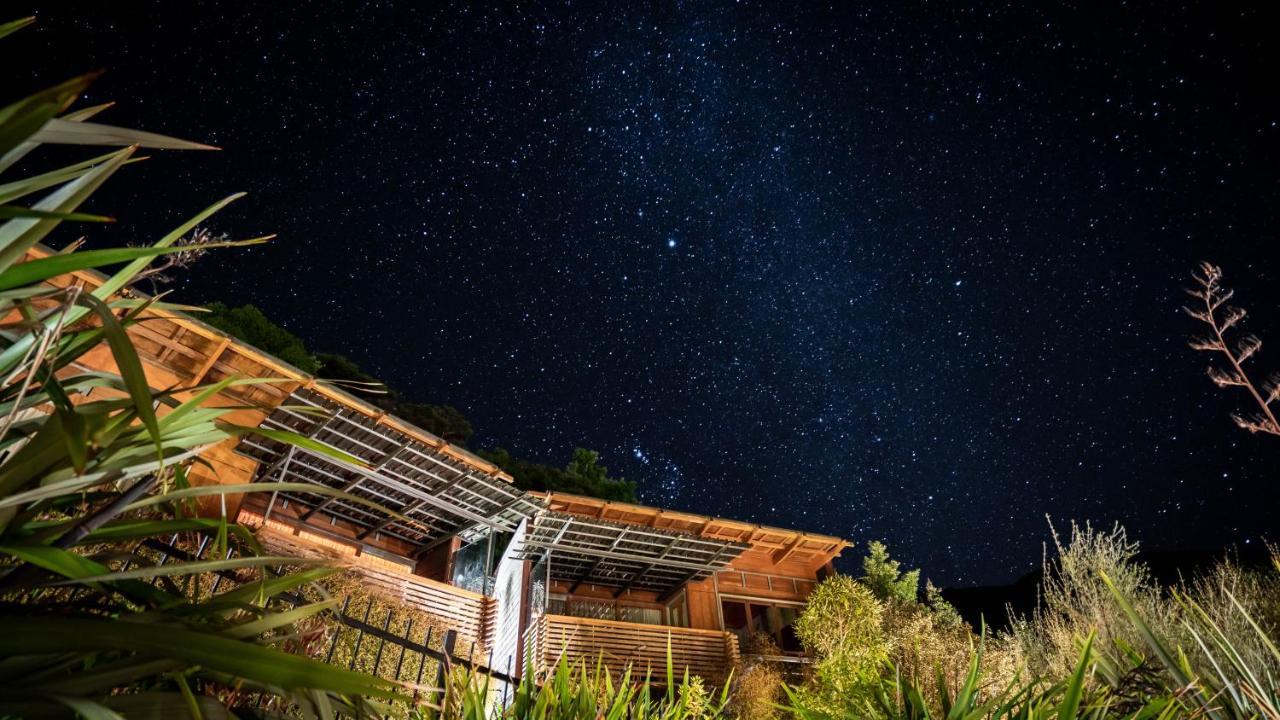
column 437, row 493
column 767, row 545
column 600, row 552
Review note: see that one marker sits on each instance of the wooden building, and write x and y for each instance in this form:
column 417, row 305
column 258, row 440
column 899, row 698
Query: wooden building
column 528, row 576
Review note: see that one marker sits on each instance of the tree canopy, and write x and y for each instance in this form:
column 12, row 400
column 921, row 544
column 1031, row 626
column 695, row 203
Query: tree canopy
column 883, row 578
column 582, row 476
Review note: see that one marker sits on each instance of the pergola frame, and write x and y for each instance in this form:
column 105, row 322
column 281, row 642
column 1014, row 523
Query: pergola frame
column 586, row 550
column 441, row 496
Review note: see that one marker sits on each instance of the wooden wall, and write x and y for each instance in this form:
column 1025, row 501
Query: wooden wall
column 704, row 608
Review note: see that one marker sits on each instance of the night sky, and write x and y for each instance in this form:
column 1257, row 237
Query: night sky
column 901, row 271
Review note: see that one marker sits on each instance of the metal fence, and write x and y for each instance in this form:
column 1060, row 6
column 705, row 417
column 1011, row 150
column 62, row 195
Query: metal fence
column 402, row 646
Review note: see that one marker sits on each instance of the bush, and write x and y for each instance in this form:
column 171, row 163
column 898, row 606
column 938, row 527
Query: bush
column 1076, row 601
column 757, row 689
column 841, row 628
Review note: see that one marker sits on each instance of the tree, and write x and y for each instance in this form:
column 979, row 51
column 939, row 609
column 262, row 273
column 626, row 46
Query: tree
column 341, row 369
column 944, row 612
column 882, row 576
column 593, row 478
column 445, row 421
column 582, row 476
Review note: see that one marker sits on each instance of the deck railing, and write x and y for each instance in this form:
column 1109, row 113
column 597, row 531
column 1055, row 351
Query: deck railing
column 710, row 654
column 471, row 614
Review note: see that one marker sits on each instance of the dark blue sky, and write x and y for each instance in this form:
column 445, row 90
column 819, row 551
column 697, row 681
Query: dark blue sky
column 905, row 271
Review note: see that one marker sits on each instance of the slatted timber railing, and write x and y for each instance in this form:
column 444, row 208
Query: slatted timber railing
column 470, row 613
column 710, row 654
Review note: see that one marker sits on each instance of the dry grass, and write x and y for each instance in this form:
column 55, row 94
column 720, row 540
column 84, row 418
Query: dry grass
column 757, row 688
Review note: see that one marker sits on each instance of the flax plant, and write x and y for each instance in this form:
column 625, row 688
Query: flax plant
column 92, row 467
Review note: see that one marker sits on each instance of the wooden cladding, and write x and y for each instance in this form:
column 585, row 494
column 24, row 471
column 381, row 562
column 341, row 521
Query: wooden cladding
column 762, row 585
column 710, row 654
column 470, row 614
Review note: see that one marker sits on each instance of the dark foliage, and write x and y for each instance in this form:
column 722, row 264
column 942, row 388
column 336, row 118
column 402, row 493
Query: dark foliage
column 582, row 476
column 445, row 421
column 249, row 324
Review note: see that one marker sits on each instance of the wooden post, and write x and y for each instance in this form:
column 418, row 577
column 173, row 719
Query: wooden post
column 715, row 585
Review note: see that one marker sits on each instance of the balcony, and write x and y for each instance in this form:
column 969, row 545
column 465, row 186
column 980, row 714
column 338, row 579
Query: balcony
column 469, row 613
column 710, row 654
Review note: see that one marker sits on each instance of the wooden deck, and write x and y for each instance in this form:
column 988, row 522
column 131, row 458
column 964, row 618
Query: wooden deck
column 710, row 654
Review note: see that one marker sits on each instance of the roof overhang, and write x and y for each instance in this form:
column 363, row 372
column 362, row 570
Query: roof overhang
column 790, row 551
column 423, row 494
column 628, row 557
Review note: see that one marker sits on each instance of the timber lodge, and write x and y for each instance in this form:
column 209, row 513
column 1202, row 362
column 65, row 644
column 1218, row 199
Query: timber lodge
column 526, row 576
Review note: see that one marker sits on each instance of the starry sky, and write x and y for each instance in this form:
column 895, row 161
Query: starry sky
column 896, row 270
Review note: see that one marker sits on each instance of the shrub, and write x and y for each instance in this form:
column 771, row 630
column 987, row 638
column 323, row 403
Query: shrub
column 757, row 688
column 1076, row 601
column 841, row 628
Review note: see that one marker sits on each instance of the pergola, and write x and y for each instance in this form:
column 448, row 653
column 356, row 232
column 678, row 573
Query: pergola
column 438, row 495
column 585, row 550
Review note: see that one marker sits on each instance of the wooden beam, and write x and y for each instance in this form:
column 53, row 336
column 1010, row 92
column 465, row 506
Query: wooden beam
column 452, row 484
column 169, row 348
column 349, row 486
column 213, row 359
column 644, row 570
column 388, row 520
column 786, row 552
column 689, row 576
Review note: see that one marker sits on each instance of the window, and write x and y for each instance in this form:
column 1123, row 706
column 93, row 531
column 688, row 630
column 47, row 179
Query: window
column 745, row 618
column 678, row 612
column 604, row 610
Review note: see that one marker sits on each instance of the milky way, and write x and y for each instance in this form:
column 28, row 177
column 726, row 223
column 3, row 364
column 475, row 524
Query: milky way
column 909, row 272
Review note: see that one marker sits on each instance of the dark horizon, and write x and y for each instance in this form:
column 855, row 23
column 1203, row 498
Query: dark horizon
column 903, row 273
